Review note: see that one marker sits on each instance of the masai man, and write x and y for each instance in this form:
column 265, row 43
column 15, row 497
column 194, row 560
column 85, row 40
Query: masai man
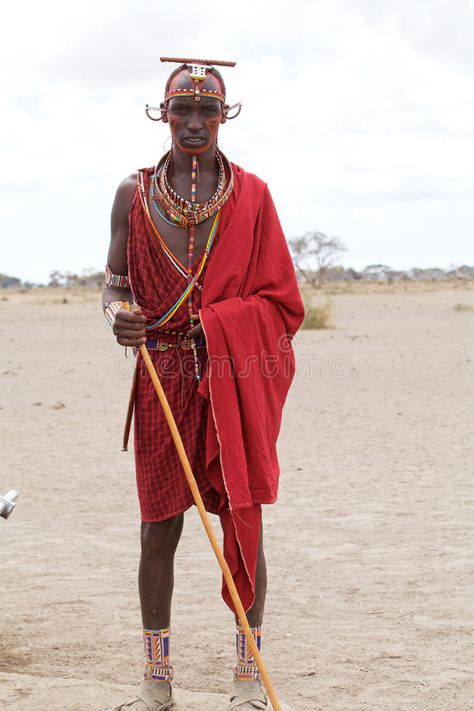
column 197, row 247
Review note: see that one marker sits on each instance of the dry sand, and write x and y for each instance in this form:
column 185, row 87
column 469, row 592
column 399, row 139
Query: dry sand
column 369, row 548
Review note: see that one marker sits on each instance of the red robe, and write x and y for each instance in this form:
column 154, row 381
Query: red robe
column 250, row 309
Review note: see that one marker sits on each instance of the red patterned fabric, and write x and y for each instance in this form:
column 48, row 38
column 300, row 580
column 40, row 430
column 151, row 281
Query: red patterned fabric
column 250, row 308
column 156, row 284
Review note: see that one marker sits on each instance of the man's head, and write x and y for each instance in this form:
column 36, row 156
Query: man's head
column 194, row 105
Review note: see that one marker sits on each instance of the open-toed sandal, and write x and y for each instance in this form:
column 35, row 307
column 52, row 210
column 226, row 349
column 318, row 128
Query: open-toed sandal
column 248, row 695
column 151, row 696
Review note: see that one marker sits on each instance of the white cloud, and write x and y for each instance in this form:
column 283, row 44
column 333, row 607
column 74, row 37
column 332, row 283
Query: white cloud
column 359, row 115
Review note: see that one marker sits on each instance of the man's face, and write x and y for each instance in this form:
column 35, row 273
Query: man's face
column 194, row 125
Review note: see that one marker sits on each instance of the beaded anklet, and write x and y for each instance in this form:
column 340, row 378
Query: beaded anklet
column 246, row 667
column 157, row 654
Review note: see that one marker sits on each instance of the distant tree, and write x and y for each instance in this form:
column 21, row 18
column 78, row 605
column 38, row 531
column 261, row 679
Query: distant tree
column 91, row 278
column 313, row 254
column 66, row 279
column 55, row 279
column 88, row 278
column 9, row 282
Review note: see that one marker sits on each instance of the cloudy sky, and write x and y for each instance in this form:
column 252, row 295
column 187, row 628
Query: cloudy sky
column 359, row 115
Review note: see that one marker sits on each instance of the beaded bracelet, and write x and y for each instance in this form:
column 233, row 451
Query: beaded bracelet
column 111, row 310
column 120, row 280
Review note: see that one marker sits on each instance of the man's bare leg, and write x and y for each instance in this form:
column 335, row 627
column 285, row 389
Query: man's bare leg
column 255, row 614
column 155, row 583
column 156, row 573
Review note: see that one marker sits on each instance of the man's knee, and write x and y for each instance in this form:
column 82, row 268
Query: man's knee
column 161, row 537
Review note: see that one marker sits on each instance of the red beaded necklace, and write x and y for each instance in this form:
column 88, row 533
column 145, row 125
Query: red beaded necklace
column 192, row 232
column 189, row 213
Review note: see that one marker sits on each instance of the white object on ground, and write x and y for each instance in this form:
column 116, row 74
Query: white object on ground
column 7, row 503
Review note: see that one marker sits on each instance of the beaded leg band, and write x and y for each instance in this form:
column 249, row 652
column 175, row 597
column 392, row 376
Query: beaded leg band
column 157, row 655
column 246, row 667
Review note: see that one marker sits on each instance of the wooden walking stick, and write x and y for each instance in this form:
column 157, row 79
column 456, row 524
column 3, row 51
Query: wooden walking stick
column 207, row 525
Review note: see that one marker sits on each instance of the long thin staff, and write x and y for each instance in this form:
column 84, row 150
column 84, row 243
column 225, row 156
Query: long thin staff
column 207, row 525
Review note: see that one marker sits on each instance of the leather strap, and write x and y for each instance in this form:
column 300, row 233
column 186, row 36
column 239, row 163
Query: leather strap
column 131, row 407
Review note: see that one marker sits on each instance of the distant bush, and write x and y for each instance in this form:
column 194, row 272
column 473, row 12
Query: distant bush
column 463, row 307
column 316, row 316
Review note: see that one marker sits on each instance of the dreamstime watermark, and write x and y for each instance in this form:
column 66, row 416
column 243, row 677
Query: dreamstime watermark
column 283, row 361
column 336, row 366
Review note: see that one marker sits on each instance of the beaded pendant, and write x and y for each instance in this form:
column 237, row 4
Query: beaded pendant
column 192, row 233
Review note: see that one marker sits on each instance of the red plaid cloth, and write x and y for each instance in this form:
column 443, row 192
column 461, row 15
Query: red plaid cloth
column 156, row 284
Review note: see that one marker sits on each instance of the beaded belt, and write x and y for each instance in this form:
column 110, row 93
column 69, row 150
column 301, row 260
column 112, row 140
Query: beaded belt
column 159, row 344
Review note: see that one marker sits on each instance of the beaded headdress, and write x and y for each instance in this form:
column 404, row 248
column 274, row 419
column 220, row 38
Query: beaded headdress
column 199, row 70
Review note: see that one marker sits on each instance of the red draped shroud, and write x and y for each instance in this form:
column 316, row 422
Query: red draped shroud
column 250, row 308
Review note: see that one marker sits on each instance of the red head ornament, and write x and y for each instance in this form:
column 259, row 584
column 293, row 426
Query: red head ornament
column 197, row 78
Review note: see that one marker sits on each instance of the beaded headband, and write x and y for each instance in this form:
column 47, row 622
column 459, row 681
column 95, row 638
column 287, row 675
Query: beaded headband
column 197, row 69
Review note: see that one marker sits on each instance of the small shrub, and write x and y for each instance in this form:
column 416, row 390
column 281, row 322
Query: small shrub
column 463, row 307
column 317, row 316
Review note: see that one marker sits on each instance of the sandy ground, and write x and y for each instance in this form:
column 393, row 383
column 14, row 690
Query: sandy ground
column 369, row 548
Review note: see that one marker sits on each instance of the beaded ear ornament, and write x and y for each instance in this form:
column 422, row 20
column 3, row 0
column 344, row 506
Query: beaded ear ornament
column 199, row 70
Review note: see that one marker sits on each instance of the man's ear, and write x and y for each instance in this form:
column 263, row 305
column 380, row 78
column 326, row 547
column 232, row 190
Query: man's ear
column 225, row 109
column 164, row 112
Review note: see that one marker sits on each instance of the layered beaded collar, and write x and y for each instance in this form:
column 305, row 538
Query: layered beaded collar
column 183, row 213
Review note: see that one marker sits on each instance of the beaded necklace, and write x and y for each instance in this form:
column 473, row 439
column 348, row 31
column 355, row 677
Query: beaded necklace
column 193, row 205
column 192, row 280
column 144, row 200
column 158, row 211
column 183, row 212
column 192, row 283
column 186, row 214
column 192, row 232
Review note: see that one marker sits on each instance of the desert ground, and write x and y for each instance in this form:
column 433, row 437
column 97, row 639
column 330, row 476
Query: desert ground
column 370, row 601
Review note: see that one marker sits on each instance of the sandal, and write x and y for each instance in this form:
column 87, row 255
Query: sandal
column 248, row 695
column 151, row 696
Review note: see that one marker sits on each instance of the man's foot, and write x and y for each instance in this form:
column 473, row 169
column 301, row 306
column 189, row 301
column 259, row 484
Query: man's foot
column 248, row 695
column 151, row 696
